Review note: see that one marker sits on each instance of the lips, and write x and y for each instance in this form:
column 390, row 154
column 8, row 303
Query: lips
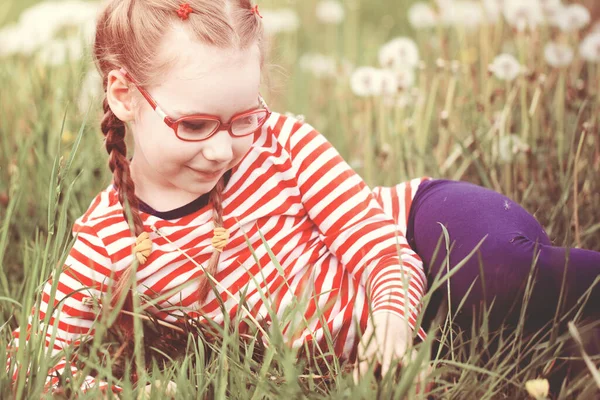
column 208, row 174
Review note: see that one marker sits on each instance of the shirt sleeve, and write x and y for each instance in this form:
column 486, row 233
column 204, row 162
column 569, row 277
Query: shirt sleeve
column 354, row 226
column 86, row 273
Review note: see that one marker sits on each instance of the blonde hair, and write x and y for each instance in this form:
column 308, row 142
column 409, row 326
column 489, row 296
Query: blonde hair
column 128, row 33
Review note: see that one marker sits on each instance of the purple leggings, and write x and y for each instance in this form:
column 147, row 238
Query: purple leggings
column 470, row 212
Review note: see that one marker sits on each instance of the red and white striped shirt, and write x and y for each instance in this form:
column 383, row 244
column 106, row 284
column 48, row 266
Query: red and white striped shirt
column 323, row 224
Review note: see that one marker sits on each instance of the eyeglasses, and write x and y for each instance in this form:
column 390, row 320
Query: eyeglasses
column 198, row 127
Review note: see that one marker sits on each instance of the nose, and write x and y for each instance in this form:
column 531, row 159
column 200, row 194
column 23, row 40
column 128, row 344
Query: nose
column 218, row 148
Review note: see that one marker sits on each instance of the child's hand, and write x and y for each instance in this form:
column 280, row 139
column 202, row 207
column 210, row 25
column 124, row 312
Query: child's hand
column 391, row 337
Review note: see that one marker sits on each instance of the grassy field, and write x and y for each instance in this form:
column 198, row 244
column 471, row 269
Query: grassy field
column 535, row 138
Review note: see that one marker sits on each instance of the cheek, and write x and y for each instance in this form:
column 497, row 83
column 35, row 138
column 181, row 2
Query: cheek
column 241, row 146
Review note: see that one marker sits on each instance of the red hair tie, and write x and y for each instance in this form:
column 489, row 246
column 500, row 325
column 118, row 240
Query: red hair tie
column 184, row 11
column 255, row 10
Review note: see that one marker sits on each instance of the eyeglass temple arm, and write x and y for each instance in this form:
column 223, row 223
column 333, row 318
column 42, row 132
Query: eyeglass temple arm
column 168, row 120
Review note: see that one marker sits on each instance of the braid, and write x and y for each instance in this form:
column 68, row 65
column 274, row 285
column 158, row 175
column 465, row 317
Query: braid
column 216, row 200
column 114, row 132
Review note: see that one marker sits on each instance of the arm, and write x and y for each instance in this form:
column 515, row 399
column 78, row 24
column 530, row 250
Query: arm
column 354, row 226
column 86, row 273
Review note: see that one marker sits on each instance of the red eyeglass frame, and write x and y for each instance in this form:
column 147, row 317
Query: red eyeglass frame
column 174, row 123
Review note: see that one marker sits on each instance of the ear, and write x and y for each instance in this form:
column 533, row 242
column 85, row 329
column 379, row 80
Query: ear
column 119, row 96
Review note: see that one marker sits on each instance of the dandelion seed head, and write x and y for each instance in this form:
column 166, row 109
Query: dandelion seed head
column 280, row 20
column 320, row 65
column 364, row 80
column 387, row 83
column 421, row 16
column 330, row 12
column 590, row 47
column 506, row 67
column 399, row 53
column 39, row 25
column 558, row 55
column 572, row 18
column 510, row 146
column 405, row 78
column 492, row 10
column 523, row 15
column 465, row 13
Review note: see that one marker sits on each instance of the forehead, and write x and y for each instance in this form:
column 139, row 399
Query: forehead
column 206, row 78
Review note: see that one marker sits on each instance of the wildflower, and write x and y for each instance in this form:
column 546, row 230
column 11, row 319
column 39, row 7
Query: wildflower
column 405, row 78
column 330, row 12
column 506, row 67
column 573, row 18
column 280, row 20
column 551, row 9
column 369, row 81
column 364, row 80
column 510, row 146
column 492, row 10
column 590, row 47
column 558, row 55
column 538, row 388
column 523, row 15
column 319, row 65
column 41, row 23
column 422, row 15
column 388, row 83
column 399, row 53
column 466, row 13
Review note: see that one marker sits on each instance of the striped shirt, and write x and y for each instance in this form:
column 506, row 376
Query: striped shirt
column 332, row 236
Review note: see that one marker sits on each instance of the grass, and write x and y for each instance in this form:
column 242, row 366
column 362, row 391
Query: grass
column 457, row 118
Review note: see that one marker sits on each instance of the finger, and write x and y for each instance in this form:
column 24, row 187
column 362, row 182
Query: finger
column 360, row 371
column 386, row 363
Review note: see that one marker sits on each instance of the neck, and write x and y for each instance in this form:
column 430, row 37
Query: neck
column 157, row 192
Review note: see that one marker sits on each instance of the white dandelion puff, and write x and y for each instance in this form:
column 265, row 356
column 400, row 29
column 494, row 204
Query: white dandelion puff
column 364, row 80
column 369, row 81
column 330, row 12
column 590, row 47
column 320, row 65
column 421, row 15
column 399, row 53
column 387, row 83
column 39, row 25
column 492, row 10
column 572, row 18
column 510, row 146
column 280, row 20
column 466, row 13
column 506, row 67
column 523, row 15
column 558, row 55
column 406, row 78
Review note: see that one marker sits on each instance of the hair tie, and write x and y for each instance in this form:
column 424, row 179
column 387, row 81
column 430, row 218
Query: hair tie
column 143, row 247
column 184, row 11
column 255, row 10
column 219, row 240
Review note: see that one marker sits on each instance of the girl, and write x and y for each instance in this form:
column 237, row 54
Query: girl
column 212, row 166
